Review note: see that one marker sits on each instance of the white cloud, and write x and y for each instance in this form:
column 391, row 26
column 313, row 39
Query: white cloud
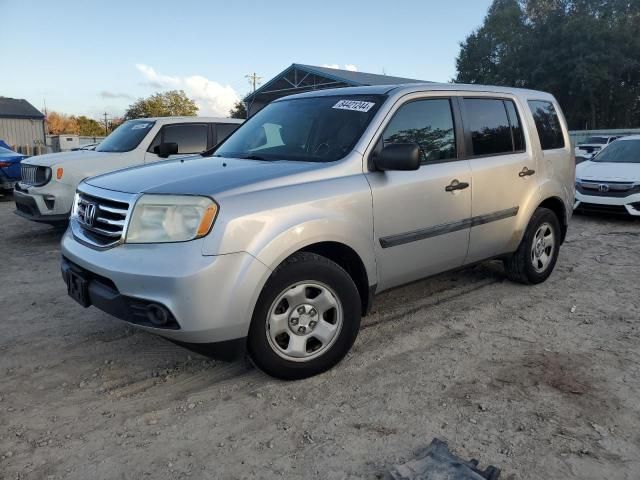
column 349, row 66
column 109, row 94
column 211, row 97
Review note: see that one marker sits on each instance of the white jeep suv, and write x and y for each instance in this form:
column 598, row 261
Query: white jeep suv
column 49, row 182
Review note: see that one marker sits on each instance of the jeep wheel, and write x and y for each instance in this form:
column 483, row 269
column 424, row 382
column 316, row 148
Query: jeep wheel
column 537, row 254
column 306, row 319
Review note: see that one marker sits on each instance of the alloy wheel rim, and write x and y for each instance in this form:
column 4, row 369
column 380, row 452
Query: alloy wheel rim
column 543, row 247
column 304, row 321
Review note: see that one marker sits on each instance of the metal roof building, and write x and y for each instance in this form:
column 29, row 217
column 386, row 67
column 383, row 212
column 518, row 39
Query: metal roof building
column 300, row 78
column 21, row 125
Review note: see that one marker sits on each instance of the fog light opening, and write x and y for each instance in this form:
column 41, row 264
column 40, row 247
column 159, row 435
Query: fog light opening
column 157, row 314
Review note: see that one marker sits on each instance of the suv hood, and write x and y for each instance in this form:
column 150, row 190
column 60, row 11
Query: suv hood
column 67, row 158
column 620, row 172
column 197, row 175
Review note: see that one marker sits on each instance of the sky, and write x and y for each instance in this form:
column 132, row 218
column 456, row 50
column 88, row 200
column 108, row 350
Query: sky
column 88, row 57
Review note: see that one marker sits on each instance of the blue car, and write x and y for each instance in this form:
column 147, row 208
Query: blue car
column 9, row 168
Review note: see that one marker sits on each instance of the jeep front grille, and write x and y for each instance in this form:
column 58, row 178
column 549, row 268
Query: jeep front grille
column 35, row 175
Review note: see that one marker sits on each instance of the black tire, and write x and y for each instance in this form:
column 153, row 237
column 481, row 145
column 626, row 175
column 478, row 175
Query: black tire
column 299, row 268
column 519, row 266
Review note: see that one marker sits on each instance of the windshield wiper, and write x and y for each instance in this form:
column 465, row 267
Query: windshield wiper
column 209, row 153
column 256, row 157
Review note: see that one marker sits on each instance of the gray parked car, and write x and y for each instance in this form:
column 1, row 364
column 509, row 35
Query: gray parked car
column 277, row 241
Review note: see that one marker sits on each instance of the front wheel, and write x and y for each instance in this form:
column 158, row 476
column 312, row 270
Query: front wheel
column 306, row 318
column 537, row 254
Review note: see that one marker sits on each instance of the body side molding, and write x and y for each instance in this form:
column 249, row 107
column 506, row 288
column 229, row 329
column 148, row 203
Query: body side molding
column 415, row 235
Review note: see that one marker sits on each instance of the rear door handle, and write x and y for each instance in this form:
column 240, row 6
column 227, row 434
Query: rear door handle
column 456, row 185
column 526, row 172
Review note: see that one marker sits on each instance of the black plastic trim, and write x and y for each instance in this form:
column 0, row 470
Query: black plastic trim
column 424, row 233
column 104, row 295
column 227, row 350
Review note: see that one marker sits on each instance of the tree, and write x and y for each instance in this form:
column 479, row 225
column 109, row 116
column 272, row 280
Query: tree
column 164, row 104
column 585, row 52
column 59, row 123
column 89, row 127
column 239, row 110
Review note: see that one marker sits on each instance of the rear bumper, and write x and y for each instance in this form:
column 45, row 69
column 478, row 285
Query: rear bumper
column 629, row 205
column 6, row 182
column 28, row 207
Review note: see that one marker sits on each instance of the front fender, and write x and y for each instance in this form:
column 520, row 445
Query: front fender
column 275, row 250
column 279, row 228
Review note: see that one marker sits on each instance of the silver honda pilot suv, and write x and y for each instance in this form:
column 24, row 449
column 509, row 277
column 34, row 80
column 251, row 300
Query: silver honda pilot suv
column 275, row 242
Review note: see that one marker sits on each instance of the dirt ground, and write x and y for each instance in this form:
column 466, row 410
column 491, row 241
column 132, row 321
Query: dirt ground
column 541, row 381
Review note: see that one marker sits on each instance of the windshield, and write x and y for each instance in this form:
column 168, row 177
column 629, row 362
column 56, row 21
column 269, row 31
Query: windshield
column 622, row 151
column 126, row 137
column 595, row 140
column 312, row 129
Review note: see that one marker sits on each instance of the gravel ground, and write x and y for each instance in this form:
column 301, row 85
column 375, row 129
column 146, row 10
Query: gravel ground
column 541, row 381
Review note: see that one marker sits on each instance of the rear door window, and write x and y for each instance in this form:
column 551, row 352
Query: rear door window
column 427, row 123
column 547, row 124
column 190, row 137
column 488, row 123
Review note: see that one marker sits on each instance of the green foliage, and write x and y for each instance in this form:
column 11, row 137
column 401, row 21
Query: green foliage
column 90, row 127
column 164, row 104
column 239, row 110
column 585, row 52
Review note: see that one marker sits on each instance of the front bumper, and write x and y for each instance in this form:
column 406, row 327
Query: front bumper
column 48, row 204
column 629, row 205
column 27, row 207
column 211, row 298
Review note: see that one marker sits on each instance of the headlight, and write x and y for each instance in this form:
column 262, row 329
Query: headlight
column 171, row 218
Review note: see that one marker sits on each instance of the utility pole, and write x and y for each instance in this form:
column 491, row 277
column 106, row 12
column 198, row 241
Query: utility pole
column 106, row 125
column 254, row 79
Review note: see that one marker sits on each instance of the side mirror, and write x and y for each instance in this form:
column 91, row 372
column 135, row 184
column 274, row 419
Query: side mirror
column 398, row 156
column 165, row 149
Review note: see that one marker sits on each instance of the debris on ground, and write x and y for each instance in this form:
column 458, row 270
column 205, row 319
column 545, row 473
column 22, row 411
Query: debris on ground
column 436, row 462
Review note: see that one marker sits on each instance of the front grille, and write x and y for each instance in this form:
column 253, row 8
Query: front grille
column 35, row 175
column 601, row 208
column 597, row 188
column 101, row 220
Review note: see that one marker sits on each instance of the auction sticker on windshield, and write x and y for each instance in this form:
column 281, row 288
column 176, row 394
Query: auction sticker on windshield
column 355, row 105
column 139, row 126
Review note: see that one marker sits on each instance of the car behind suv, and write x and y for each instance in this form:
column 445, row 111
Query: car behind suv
column 609, row 183
column 279, row 241
column 45, row 193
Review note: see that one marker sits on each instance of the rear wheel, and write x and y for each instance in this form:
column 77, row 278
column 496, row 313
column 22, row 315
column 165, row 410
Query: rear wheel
column 306, row 319
column 537, row 254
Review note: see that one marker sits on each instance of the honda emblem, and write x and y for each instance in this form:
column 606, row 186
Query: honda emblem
column 90, row 211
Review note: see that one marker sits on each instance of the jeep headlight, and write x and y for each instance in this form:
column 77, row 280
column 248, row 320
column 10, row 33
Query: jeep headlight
column 171, row 218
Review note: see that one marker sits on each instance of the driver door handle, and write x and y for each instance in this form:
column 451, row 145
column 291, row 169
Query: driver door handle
column 456, row 185
column 526, row 172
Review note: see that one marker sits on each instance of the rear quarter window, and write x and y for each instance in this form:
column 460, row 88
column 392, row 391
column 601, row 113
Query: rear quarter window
column 547, row 124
